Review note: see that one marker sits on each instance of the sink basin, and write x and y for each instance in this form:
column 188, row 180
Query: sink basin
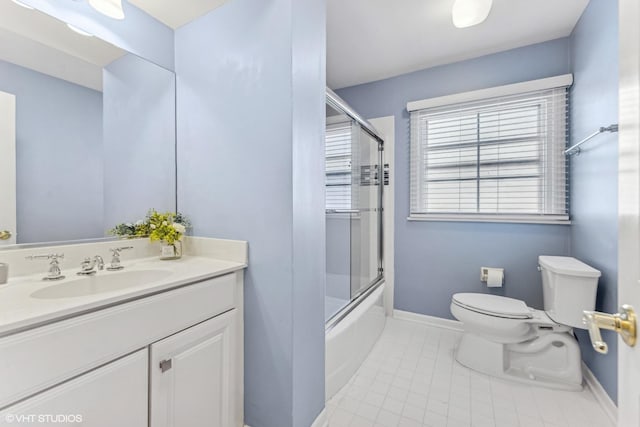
column 103, row 282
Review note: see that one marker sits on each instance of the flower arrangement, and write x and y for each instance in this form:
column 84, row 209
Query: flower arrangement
column 168, row 227
column 131, row 230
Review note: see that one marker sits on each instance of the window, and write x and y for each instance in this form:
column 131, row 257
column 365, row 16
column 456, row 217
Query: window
column 338, row 166
column 491, row 159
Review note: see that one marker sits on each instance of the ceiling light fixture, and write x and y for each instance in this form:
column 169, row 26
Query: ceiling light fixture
column 79, row 31
column 467, row 13
column 19, row 3
column 111, row 8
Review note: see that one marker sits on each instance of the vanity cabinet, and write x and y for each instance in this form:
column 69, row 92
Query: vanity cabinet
column 191, row 375
column 173, row 358
column 112, row 395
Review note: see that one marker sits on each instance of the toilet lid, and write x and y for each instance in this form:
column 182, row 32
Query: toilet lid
column 493, row 305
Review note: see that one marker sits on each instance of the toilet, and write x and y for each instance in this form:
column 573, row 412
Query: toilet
column 505, row 338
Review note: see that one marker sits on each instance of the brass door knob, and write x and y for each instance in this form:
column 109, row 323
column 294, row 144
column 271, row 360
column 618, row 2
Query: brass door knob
column 5, row 235
column 623, row 323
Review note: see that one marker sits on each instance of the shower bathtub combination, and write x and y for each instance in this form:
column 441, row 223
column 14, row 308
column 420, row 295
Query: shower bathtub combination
column 354, row 297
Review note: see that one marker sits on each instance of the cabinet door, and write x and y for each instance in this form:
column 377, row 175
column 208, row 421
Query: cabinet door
column 193, row 376
column 112, row 395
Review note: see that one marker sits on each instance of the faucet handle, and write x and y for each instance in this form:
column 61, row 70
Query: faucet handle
column 54, row 266
column 52, row 257
column 115, row 260
column 116, row 251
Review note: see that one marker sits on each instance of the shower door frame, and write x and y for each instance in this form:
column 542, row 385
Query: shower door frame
column 340, row 105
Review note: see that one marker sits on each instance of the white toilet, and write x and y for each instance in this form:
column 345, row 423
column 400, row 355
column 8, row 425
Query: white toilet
column 505, row 338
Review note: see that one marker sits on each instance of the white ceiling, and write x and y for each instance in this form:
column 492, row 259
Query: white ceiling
column 369, row 40
column 176, row 13
column 34, row 40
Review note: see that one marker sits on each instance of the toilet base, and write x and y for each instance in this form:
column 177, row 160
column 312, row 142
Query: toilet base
column 549, row 360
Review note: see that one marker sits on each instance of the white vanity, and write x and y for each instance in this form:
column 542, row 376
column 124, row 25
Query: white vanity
column 159, row 343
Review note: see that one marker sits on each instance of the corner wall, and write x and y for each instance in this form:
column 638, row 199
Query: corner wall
column 594, row 173
column 251, row 107
column 434, row 260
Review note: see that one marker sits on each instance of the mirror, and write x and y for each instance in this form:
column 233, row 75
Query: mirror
column 87, row 132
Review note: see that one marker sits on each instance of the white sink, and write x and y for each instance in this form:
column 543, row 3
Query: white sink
column 102, row 282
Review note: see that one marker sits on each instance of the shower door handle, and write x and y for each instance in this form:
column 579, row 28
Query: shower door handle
column 342, row 211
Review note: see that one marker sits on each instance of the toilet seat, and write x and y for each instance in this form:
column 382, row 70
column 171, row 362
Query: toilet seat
column 493, row 305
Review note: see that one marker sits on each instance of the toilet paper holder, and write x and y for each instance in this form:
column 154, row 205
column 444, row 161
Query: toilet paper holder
column 484, row 275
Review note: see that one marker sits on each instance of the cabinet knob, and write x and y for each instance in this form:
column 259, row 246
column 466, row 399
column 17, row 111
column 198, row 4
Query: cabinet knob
column 165, row 365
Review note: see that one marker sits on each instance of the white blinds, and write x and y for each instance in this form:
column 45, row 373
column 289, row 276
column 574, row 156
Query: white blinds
column 498, row 157
column 338, row 164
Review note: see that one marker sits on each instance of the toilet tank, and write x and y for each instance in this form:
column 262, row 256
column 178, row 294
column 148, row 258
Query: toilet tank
column 569, row 287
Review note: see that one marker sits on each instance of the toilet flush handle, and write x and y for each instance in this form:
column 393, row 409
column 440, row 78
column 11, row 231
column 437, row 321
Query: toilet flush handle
column 623, row 323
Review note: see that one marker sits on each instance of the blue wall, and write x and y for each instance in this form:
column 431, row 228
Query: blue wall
column 58, row 156
column 251, row 82
column 139, row 140
column 594, row 173
column 433, row 260
column 138, row 33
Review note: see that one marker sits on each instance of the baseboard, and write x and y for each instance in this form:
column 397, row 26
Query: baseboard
column 321, row 420
column 600, row 394
column 439, row 322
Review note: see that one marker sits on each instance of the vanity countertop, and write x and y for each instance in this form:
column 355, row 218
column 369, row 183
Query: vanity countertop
column 22, row 308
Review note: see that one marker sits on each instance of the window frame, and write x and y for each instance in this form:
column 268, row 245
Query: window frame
column 487, row 99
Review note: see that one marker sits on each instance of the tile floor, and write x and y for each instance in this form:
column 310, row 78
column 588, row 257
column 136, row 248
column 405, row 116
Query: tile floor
column 411, row 379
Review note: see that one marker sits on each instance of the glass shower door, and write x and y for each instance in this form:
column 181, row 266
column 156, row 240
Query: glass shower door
column 353, row 211
column 340, row 134
column 365, row 220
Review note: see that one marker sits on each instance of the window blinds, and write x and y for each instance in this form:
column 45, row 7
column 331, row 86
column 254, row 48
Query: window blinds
column 338, row 166
column 497, row 157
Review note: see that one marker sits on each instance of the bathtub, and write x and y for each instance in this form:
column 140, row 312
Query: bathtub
column 349, row 341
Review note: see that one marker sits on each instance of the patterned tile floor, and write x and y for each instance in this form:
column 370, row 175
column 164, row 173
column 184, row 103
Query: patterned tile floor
column 411, row 379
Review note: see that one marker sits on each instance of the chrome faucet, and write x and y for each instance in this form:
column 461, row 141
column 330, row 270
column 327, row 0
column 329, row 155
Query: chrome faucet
column 54, row 266
column 87, row 266
column 115, row 259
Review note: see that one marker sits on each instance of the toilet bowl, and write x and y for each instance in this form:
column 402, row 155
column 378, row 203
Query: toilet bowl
column 504, row 337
